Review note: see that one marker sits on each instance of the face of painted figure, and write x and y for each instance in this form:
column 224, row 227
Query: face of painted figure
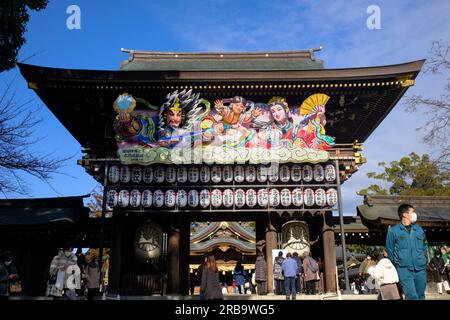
column 237, row 107
column 218, row 127
column 278, row 114
column 174, row 118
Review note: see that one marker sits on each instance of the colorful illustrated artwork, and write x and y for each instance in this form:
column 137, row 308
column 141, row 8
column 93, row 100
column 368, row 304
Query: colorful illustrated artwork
column 187, row 128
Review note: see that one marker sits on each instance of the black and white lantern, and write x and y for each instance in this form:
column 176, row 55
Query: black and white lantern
column 112, row 198
column 274, row 197
column 193, row 174
column 228, row 198
column 284, row 173
column 320, row 197
column 318, row 173
column 181, row 174
column 136, row 174
column 148, row 175
column 307, row 173
column 135, row 198
column 239, row 198
column 296, row 173
column 250, row 173
column 171, row 174
column 216, row 198
column 158, row 198
column 170, row 198
column 205, row 198
column 114, row 174
column 330, row 173
column 261, row 174
column 227, row 174
column 193, row 198
column 205, row 174
column 263, row 198
column 124, row 198
column 273, row 174
column 158, row 174
column 332, row 197
column 239, row 174
column 297, row 197
column 125, row 174
column 182, row 198
column 216, row 174
column 251, row 198
column 286, row 197
column 147, row 198
column 308, row 197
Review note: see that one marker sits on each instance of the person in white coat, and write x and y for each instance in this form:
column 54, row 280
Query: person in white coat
column 386, row 278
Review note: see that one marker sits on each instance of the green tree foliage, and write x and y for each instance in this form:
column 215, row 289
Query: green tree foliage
column 410, row 176
column 14, row 16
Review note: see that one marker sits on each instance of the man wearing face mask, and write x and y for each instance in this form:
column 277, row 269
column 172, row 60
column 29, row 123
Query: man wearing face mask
column 405, row 245
column 8, row 274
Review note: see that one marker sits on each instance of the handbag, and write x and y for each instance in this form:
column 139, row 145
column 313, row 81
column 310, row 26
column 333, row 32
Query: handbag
column 390, row 291
column 15, row 287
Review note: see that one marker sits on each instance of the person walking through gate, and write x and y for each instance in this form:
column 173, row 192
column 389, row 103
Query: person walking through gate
column 261, row 274
column 240, row 276
column 290, row 271
column 278, row 274
column 210, row 286
column 310, row 269
column 405, row 244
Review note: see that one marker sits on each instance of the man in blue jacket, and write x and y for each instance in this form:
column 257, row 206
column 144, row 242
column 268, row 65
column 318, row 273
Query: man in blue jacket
column 289, row 267
column 406, row 249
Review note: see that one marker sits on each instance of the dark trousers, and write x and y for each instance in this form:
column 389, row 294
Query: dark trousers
column 310, row 287
column 279, row 287
column 262, row 287
column 92, row 292
column 298, row 288
column 289, row 286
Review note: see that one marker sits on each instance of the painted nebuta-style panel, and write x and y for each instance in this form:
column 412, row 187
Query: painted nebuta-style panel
column 188, row 128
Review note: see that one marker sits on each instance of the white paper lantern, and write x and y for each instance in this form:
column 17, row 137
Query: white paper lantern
column 124, row 198
column 147, row 198
column 227, row 174
column 193, row 198
column 135, row 198
column 205, row 174
column 205, row 198
column 193, row 174
column 274, row 197
column 273, row 175
column 136, row 174
column 216, row 198
column 181, row 174
column 239, row 198
column 227, row 198
column 114, row 174
column 296, row 173
column 330, row 173
column 239, row 174
column 284, row 173
column 158, row 174
column 182, row 198
column 171, row 174
column 216, row 174
column 261, row 174
column 297, row 197
column 263, row 198
column 170, row 197
column 148, row 175
column 332, row 197
column 307, row 173
column 251, row 198
column 320, row 197
column 308, row 197
column 125, row 174
column 318, row 173
column 112, row 198
column 286, row 197
column 158, row 198
column 250, row 174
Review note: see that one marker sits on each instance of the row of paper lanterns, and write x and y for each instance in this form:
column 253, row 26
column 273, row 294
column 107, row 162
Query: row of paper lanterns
column 223, row 198
column 217, row 174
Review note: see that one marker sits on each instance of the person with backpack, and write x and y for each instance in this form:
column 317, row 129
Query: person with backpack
column 240, row 276
column 311, row 275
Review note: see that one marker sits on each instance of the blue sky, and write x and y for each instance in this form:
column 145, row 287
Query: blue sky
column 407, row 31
